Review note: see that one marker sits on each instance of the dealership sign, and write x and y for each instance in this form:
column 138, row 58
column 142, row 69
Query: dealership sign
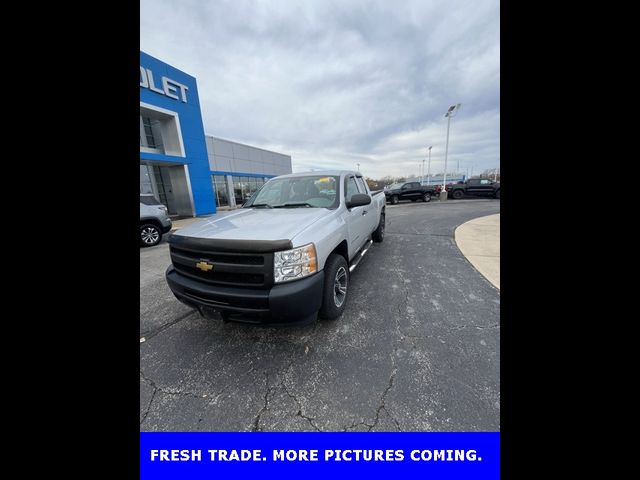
column 169, row 87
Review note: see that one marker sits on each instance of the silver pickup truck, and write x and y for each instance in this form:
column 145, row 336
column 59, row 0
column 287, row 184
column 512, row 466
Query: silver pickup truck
column 285, row 256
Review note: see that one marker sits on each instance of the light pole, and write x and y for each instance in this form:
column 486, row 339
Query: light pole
column 450, row 113
column 429, row 167
column 358, row 166
column 495, row 174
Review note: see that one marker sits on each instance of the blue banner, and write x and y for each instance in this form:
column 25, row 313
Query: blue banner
column 432, row 455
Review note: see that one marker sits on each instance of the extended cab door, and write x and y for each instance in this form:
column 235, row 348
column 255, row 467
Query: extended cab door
column 371, row 211
column 357, row 218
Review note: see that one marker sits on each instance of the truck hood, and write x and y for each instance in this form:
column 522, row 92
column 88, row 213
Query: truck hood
column 255, row 224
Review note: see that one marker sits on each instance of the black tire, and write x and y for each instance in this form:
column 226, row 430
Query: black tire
column 336, row 271
column 378, row 233
column 497, row 195
column 426, row 197
column 394, row 200
column 457, row 194
column 414, row 199
column 150, row 235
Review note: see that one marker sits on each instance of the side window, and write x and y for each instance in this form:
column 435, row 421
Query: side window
column 361, row 186
column 352, row 188
column 415, row 185
column 485, row 182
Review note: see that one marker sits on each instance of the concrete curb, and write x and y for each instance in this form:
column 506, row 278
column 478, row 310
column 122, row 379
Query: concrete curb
column 479, row 242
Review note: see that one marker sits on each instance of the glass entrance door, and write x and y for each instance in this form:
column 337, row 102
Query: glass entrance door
column 164, row 189
column 222, row 192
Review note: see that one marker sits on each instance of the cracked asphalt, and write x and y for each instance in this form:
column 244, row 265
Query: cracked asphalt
column 417, row 349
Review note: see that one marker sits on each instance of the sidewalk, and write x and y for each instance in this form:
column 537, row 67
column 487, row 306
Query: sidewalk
column 479, row 242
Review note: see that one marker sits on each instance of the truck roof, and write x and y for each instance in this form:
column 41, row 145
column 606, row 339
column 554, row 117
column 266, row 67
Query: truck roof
column 322, row 172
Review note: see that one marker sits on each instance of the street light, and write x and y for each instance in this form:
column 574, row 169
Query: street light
column 429, row 167
column 450, row 113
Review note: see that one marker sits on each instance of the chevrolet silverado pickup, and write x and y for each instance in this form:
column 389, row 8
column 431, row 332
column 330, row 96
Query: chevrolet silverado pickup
column 413, row 191
column 478, row 187
column 285, row 256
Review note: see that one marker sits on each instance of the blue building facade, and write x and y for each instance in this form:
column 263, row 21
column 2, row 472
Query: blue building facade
column 192, row 173
column 174, row 164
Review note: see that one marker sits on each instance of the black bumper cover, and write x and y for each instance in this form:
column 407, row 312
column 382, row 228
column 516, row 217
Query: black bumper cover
column 287, row 303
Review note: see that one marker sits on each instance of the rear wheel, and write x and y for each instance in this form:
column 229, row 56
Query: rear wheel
column 426, row 197
column 336, row 282
column 378, row 234
column 394, row 200
column 150, row 235
column 457, row 194
column 497, row 194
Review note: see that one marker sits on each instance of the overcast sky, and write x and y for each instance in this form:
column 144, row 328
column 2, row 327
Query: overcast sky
column 336, row 83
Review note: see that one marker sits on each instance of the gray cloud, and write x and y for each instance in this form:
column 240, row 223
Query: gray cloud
column 339, row 83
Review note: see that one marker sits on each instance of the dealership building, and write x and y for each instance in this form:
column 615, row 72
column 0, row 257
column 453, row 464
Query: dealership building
column 188, row 171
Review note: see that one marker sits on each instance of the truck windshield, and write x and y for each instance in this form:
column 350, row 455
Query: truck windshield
column 316, row 191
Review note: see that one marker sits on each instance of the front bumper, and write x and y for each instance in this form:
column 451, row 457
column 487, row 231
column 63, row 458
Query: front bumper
column 287, row 303
column 166, row 224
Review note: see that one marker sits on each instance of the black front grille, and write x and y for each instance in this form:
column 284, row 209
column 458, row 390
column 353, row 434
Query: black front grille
column 233, row 269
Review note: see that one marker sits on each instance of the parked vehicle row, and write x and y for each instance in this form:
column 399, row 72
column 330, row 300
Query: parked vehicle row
column 414, row 191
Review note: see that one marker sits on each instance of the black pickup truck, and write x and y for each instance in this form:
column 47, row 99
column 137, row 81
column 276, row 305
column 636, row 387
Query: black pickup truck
column 409, row 191
column 479, row 187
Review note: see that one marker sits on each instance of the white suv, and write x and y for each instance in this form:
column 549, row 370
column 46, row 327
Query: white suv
column 154, row 220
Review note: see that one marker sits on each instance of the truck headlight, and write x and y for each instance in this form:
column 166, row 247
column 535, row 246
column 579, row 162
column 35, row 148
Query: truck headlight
column 294, row 264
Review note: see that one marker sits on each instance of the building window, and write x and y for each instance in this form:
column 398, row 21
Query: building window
column 148, row 132
column 146, row 184
column 220, row 187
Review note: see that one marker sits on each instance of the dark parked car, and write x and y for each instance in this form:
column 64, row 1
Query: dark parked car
column 409, row 191
column 479, row 187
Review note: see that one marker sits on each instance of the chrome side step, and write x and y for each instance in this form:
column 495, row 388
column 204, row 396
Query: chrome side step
column 363, row 250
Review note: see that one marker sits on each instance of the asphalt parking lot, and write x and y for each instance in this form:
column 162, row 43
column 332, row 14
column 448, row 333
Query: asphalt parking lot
column 417, row 348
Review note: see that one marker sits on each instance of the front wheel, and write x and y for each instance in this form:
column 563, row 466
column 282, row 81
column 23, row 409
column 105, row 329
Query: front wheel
column 426, row 197
column 394, row 200
column 378, row 233
column 336, row 282
column 150, row 235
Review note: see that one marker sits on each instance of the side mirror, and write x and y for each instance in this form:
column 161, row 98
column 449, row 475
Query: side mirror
column 358, row 200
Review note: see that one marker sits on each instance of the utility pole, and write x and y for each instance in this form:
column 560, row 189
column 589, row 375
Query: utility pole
column 429, row 167
column 450, row 113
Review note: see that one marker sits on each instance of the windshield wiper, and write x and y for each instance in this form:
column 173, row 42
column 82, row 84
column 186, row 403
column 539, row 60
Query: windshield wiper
column 293, row 204
column 258, row 205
